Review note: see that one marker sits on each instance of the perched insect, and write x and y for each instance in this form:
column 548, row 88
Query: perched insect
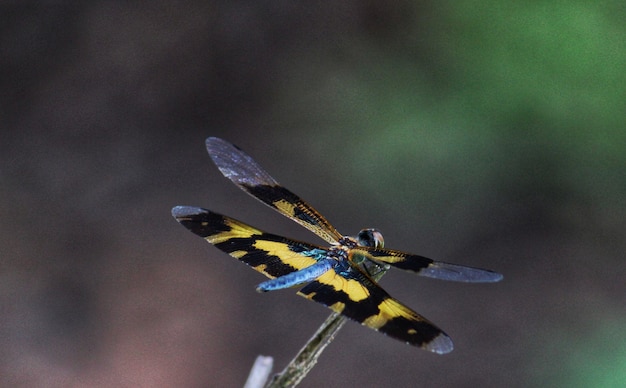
column 337, row 276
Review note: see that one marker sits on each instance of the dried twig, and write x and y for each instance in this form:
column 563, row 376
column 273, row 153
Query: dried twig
column 307, row 357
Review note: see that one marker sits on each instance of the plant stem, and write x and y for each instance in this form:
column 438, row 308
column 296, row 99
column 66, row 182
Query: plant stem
column 307, row 357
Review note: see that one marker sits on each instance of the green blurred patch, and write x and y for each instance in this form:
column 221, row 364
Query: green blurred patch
column 472, row 98
column 597, row 360
column 551, row 76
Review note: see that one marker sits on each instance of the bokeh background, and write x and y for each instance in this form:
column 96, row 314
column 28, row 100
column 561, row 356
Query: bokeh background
column 482, row 133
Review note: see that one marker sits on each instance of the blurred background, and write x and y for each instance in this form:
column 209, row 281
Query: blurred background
column 479, row 133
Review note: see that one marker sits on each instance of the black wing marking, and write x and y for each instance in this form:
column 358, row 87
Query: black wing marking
column 243, row 171
column 272, row 255
column 352, row 294
column 424, row 266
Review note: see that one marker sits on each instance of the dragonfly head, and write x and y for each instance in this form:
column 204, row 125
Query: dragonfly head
column 370, row 238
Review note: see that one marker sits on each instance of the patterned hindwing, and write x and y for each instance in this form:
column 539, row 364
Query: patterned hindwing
column 424, row 266
column 272, row 255
column 346, row 290
column 243, row 171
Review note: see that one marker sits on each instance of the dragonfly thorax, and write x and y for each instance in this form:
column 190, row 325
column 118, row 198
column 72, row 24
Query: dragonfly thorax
column 348, row 242
column 342, row 251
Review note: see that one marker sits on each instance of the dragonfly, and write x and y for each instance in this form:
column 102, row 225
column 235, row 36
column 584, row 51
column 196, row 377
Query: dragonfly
column 339, row 276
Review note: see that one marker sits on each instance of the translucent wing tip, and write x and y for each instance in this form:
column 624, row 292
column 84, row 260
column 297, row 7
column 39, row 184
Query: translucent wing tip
column 212, row 141
column 494, row 277
column 460, row 273
column 441, row 344
column 483, row 276
column 217, row 146
column 180, row 212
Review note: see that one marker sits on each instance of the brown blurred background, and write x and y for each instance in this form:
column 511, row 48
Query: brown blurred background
column 477, row 133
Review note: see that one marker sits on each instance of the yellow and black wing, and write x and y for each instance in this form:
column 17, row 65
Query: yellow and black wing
column 243, row 171
column 348, row 291
column 424, row 266
column 343, row 288
column 272, row 255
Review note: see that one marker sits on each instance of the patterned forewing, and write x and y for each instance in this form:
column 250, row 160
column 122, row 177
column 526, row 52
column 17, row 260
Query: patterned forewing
column 269, row 254
column 243, row 171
